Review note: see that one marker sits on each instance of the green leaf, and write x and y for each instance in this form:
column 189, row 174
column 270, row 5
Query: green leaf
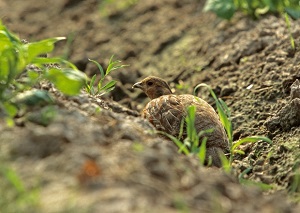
column 93, row 80
column 246, row 171
column 204, row 85
column 33, row 97
column 239, row 152
column 109, row 86
column 222, row 8
column 207, row 131
column 294, row 12
column 202, row 151
column 45, row 46
column 225, row 107
column 251, row 139
column 112, row 65
column 190, row 125
column 99, row 67
column 262, row 11
column 42, row 117
column 41, row 61
column 68, row 81
column 287, row 21
column 197, row 137
column 14, row 179
column 222, row 109
column 180, row 145
column 10, row 109
column 8, row 36
column 119, row 66
column 91, row 86
column 5, row 69
column 295, row 182
column 262, row 186
column 11, row 64
column 181, row 128
column 9, row 122
column 33, row 75
column 225, row 163
column 111, row 59
column 225, row 121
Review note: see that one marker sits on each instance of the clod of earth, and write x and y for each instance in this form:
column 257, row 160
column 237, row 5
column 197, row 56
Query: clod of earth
column 166, row 112
column 286, row 118
column 295, row 90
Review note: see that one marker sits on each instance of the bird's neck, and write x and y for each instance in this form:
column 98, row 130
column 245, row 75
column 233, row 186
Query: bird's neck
column 159, row 92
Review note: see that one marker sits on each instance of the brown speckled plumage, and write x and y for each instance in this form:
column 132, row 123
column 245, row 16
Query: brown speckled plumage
column 166, row 111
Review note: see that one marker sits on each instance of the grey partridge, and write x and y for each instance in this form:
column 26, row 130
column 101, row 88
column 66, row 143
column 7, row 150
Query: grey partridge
column 166, row 111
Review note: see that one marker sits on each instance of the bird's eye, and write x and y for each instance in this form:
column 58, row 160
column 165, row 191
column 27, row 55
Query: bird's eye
column 149, row 83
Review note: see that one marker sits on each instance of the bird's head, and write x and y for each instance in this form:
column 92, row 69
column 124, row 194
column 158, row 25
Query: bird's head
column 154, row 87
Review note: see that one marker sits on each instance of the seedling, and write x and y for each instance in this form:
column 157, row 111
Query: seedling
column 100, row 89
column 262, row 186
column 15, row 197
column 288, row 23
column 15, row 56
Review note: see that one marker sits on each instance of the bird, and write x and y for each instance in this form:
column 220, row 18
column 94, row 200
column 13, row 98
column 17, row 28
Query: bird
column 166, row 110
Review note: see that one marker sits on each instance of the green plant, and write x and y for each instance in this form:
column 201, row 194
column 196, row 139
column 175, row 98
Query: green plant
column 182, row 87
column 288, row 23
column 242, row 180
column 100, row 90
column 224, row 114
column 294, row 185
column 14, row 195
column 226, row 8
column 16, row 76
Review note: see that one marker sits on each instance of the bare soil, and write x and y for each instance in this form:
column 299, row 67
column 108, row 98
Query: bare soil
column 98, row 155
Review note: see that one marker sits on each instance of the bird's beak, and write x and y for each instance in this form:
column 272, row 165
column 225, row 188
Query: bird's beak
column 138, row 85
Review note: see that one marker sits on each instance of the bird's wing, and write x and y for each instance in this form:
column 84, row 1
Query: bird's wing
column 165, row 113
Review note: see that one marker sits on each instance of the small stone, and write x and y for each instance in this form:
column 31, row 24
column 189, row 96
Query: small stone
column 267, row 179
column 257, row 168
column 90, row 108
column 226, row 91
column 286, row 118
column 260, row 162
column 295, row 90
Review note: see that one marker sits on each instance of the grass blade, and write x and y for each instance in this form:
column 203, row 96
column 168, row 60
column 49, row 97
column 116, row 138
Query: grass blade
column 109, row 86
column 99, row 67
column 182, row 146
column 226, row 164
column 251, row 139
column 202, row 151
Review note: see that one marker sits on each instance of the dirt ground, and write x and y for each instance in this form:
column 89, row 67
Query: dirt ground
column 98, row 155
